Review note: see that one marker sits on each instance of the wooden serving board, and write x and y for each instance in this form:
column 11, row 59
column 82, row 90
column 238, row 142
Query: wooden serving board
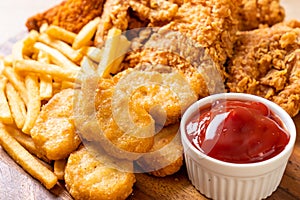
column 16, row 184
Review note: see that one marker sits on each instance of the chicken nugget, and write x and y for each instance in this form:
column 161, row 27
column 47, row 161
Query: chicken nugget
column 166, row 155
column 54, row 132
column 87, row 177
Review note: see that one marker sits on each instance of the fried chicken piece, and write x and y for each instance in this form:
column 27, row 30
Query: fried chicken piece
column 115, row 14
column 129, row 105
column 131, row 14
column 253, row 13
column 88, row 177
column 71, row 15
column 166, row 155
column 266, row 63
column 54, row 132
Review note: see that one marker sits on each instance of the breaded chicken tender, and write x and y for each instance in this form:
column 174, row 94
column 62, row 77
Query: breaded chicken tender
column 166, row 155
column 87, row 177
column 71, row 15
column 54, row 132
column 267, row 63
column 129, row 105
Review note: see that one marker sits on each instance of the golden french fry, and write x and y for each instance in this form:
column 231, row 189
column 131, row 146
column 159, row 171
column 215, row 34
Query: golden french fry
column 55, row 56
column 26, row 141
column 44, row 28
column 113, row 53
column 59, row 168
column 86, row 34
column 8, row 60
column 16, row 104
column 67, row 84
column 26, row 160
column 61, row 34
column 62, row 47
column 34, row 104
column 17, row 82
column 25, row 47
column 32, row 66
column 5, row 114
column 93, row 53
column 45, row 80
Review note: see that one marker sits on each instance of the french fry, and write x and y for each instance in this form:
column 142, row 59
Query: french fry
column 59, row 168
column 61, row 34
column 32, row 66
column 44, row 27
column 26, row 141
column 56, row 57
column 8, row 60
column 16, row 104
column 34, row 104
column 63, row 47
column 94, row 53
column 24, row 47
column 86, row 34
column 113, row 53
column 26, row 160
column 45, row 80
column 17, row 82
column 5, row 114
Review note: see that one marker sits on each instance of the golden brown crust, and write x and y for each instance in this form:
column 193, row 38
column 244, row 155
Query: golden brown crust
column 71, row 15
column 87, row 177
column 54, row 131
column 255, row 13
column 266, row 63
column 166, row 155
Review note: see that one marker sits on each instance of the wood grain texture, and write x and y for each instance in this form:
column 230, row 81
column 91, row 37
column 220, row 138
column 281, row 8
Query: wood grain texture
column 16, row 184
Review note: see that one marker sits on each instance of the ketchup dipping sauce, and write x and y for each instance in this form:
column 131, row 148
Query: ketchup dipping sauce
column 236, row 145
column 237, row 131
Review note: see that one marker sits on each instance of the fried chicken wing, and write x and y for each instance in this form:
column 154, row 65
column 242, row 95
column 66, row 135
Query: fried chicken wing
column 266, row 63
column 54, row 132
column 88, row 177
column 71, row 15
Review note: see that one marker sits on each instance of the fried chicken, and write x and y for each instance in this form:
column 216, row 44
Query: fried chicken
column 54, row 131
column 253, row 13
column 266, row 63
column 166, row 155
column 71, row 15
column 130, row 104
column 88, row 177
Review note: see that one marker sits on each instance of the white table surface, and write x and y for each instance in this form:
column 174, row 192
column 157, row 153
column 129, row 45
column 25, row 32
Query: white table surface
column 14, row 13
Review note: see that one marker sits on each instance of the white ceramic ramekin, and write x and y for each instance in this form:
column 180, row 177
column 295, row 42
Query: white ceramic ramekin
column 222, row 180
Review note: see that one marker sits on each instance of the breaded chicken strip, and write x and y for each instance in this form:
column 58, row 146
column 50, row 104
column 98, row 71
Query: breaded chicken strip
column 166, row 155
column 267, row 63
column 70, row 14
column 54, row 132
column 254, row 13
column 88, row 177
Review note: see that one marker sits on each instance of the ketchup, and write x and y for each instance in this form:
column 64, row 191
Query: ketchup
column 237, row 132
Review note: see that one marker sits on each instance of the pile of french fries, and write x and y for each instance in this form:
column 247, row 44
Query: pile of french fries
column 41, row 65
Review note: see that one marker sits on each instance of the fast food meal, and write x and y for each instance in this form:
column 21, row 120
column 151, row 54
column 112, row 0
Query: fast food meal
column 120, row 74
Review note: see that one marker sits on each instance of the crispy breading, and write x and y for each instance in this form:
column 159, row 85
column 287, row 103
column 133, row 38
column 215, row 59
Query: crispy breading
column 88, row 177
column 129, row 105
column 71, row 15
column 253, row 13
column 115, row 14
column 54, row 132
column 166, row 155
column 266, row 63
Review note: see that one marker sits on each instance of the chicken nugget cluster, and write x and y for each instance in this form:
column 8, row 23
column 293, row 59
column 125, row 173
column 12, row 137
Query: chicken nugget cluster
column 180, row 51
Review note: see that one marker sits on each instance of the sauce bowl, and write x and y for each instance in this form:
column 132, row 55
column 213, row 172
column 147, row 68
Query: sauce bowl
column 218, row 179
